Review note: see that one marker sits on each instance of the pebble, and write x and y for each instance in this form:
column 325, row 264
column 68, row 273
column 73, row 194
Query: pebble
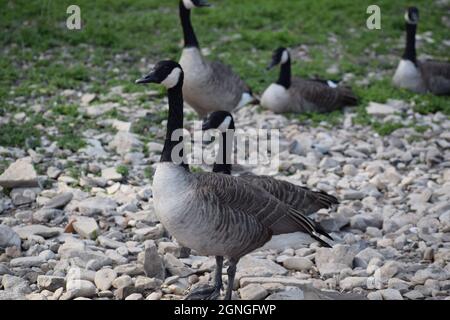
column 253, row 292
column 104, row 278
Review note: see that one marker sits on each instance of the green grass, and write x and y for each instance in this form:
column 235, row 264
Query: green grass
column 40, row 57
column 123, row 170
column 19, row 135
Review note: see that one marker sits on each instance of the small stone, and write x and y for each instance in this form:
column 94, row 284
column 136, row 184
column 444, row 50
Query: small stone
column 80, row 288
column 289, row 293
column 350, row 283
column 153, row 263
column 46, row 215
column 21, row 196
column 50, row 283
column 154, row 296
column 253, row 292
column 27, row 262
column 145, row 283
column 87, row 98
column 175, row 266
column 122, row 281
column 111, row 174
column 298, row 264
column 53, row 173
column 20, row 174
column 59, row 201
column 37, row 229
column 391, row 294
column 375, row 296
column 8, row 237
column 135, row 296
column 379, row 109
column 352, row 195
column 96, row 205
column 349, row 170
column 331, row 261
column 414, row 295
column 86, row 227
column 104, row 278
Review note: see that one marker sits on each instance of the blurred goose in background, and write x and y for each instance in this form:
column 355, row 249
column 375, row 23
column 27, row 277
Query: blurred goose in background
column 214, row 214
column 420, row 76
column 290, row 94
column 298, row 197
column 208, row 85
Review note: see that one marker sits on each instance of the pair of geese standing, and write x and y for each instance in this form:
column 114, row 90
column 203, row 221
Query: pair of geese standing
column 217, row 214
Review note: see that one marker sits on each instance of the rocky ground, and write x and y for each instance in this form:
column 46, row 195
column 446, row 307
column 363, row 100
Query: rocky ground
column 81, row 224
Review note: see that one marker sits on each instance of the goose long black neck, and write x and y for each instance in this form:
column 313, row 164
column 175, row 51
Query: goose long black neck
column 174, row 122
column 190, row 40
column 285, row 74
column 410, row 49
column 223, row 165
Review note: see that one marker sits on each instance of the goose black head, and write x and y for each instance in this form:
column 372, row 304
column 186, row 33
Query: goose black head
column 190, row 4
column 221, row 120
column 167, row 72
column 412, row 15
column 280, row 55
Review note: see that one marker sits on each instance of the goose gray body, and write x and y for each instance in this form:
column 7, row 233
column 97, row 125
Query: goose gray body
column 290, row 94
column 211, row 85
column 420, row 76
column 298, row 197
column 306, row 96
column 221, row 215
column 208, row 85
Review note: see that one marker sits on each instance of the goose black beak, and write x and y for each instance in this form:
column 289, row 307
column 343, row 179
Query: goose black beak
column 271, row 65
column 150, row 78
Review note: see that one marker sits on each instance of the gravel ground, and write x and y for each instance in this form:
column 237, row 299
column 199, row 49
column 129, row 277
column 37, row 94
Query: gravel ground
column 81, row 225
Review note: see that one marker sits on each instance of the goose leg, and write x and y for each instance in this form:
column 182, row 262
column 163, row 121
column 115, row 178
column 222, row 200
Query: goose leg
column 208, row 292
column 231, row 271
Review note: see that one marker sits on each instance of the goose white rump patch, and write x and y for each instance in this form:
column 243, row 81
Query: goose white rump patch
column 246, row 98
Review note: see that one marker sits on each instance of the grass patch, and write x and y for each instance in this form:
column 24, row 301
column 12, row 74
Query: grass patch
column 123, row 170
column 385, row 129
column 19, row 135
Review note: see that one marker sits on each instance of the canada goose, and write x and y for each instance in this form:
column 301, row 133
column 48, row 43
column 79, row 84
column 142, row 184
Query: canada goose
column 420, row 76
column 298, row 197
column 300, row 95
column 208, row 85
column 214, row 214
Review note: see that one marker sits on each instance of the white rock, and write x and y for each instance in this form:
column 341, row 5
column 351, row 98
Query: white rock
column 50, row 283
column 298, row 264
column 111, row 174
column 19, row 174
column 80, row 288
column 86, row 227
column 122, row 281
column 104, row 278
column 391, row 294
column 8, row 237
column 253, row 292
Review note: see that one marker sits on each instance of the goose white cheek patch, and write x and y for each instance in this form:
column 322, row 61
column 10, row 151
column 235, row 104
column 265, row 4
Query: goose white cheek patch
column 284, row 57
column 172, row 79
column 225, row 124
column 188, row 4
column 408, row 20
